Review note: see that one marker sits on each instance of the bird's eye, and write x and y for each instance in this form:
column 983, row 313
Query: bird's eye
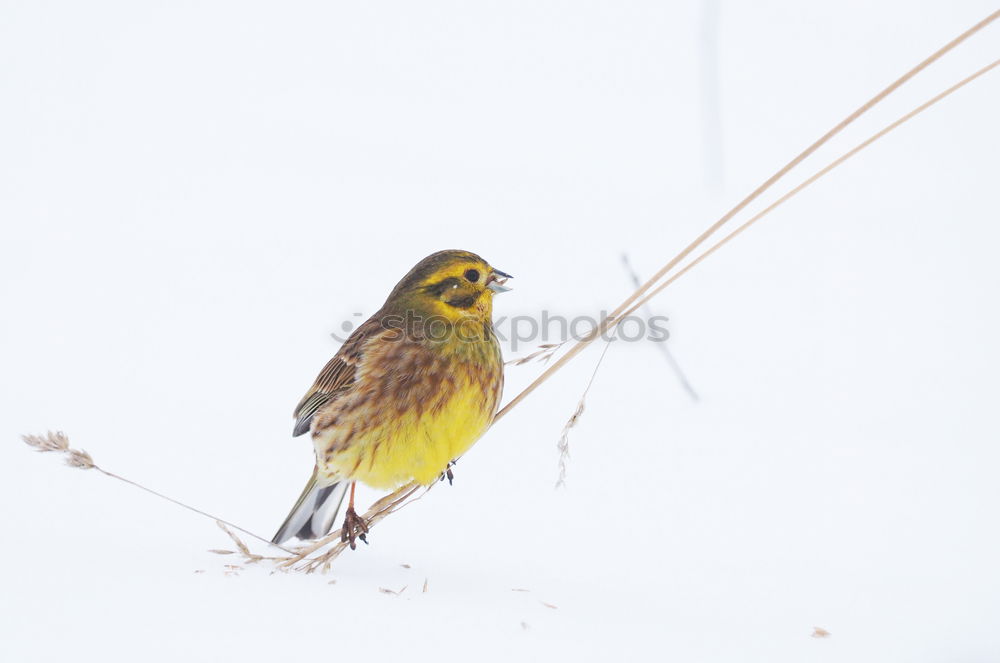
column 472, row 275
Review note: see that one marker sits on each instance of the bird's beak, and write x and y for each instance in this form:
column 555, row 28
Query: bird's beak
column 496, row 280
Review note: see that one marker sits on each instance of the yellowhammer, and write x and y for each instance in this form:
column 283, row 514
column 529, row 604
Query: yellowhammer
column 411, row 390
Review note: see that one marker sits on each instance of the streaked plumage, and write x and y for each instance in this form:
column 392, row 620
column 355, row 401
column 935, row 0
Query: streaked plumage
column 411, row 389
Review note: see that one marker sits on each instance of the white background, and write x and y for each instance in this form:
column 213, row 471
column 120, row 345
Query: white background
column 194, row 195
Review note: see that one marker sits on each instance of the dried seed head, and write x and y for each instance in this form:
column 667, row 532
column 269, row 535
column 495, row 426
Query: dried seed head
column 79, row 458
column 49, row 442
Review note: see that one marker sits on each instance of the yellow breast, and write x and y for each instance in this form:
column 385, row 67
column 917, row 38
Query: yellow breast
column 407, row 423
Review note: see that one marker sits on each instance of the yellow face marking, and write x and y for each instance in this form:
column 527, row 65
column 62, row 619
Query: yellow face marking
column 457, row 291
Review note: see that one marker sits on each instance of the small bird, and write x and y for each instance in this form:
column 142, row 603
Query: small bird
column 410, row 390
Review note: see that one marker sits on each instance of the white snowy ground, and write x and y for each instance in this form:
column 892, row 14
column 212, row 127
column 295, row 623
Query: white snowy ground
column 193, row 196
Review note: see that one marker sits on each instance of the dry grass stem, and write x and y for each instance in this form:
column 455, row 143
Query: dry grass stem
column 543, row 354
column 563, row 444
column 612, row 321
column 616, row 315
column 817, row 175
column 248, row 555
column 59, row 442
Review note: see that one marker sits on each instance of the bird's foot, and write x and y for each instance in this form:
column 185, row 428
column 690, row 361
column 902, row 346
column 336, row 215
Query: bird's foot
column 354, row 528
column 448, row 474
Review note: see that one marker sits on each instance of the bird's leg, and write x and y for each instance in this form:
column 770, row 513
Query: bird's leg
column 448, row 474
column 354, row 526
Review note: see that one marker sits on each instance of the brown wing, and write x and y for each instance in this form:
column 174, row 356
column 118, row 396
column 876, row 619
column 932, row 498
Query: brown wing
column 335, row 378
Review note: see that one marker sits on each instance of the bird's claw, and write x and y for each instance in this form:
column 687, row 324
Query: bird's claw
column 354, row 528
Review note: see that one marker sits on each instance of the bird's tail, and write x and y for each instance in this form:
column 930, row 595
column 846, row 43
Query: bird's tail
column 313, row 514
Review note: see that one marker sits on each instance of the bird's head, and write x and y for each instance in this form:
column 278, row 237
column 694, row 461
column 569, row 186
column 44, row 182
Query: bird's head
column 453, row 284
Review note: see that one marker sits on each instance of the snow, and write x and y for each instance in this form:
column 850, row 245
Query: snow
column 194, row 196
